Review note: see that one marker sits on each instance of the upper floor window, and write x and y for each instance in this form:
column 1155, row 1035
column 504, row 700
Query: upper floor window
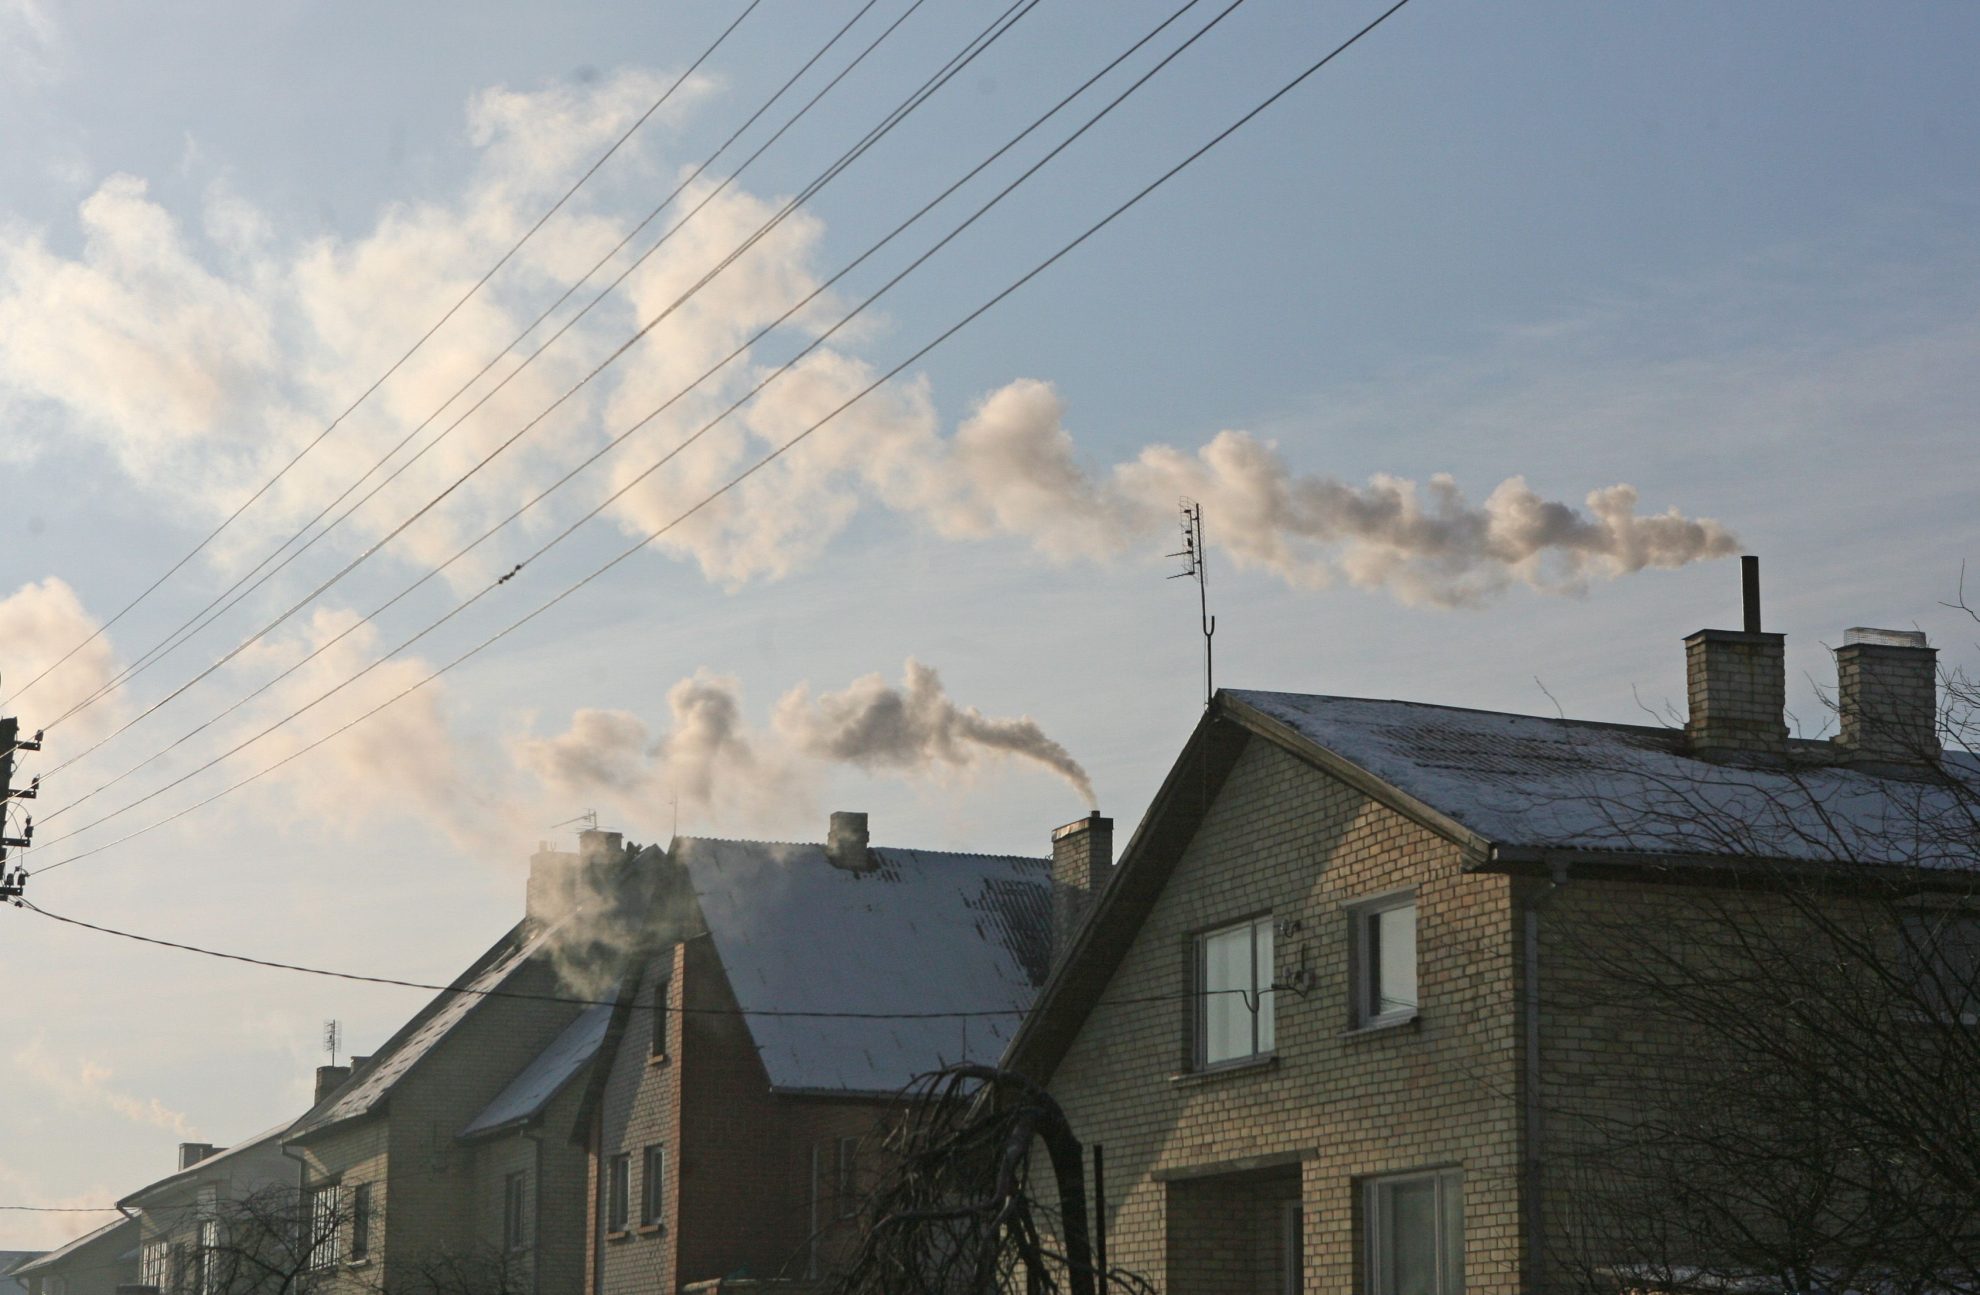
column 360, row 1221
column 1234, row 999
column 1383, row 944
column 206, row 1278
column 657, row 1046
column 324, row 1239
column 153, row 1264
column 848, row 1177
column 515, row 1217
column 1414, row 1225
column 1941, row 962
column 653, row 1187
column 618, row 1191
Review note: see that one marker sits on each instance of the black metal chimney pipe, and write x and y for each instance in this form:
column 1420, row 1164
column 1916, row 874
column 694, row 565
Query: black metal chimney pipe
column 1749, row 587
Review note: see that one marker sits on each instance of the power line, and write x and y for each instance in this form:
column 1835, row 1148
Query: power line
column 64, row 1209
column 739, row 478
column 397, row 364
column 971, row 50
column 719, row 365
column 526, row 996
column 234, row 593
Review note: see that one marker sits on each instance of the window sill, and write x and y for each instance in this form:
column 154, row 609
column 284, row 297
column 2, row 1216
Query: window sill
column 664, row 1058
column 652, row 1229
column 1391, row 1026
column 359, row 1263
column 620, row 1235
column 1248, row 1066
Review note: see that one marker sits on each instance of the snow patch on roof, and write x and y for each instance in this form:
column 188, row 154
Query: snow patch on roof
column 1523, row 780
column 922, row 931
column 542, row 1079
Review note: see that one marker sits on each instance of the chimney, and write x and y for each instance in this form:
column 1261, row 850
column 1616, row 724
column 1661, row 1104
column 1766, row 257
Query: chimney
column 552, row 884
column 846, row 840
column 191, row 1153
column 1736, row 683
column 327, row 1079
column 1082, row 860
column 1887, row 690
column 357, row 1063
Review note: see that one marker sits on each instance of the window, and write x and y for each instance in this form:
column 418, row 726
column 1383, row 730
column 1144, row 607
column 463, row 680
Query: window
column 1292, row 1249
column 653, row 1187
column 206, row 1258
column 360, row 1222
column 658, row 1044
column 152, row 1265
column 515, row 1222
column 848, row 1177
column 1234, row 1013
column 323, row 1241
column 1414, row 1224
column 618, row 1191
column 1383, row 941
column 1941, row 962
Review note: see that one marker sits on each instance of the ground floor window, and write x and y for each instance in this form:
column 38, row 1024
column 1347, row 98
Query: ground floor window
column 1414, row 1224
column 618, row 1192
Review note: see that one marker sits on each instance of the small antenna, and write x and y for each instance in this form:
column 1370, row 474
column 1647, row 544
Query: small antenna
column 333, row 1038
column 589, row 818
column 1195, row 567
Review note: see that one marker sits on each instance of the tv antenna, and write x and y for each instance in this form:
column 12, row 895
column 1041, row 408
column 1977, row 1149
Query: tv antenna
column 333, row 1038
column 1193, row 555
column 13, row 881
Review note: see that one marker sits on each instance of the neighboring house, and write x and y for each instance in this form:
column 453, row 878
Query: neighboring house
column 731, row 1133
column 220, row 1198
column 9, row 1261
column 95, row 1263
column 429, row 1166
column 1311, row 1019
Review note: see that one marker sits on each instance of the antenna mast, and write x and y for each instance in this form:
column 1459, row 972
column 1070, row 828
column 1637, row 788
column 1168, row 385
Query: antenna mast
column 333, row 1038
column 1193, row 555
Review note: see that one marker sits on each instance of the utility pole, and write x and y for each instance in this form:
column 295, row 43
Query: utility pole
column 1195, row 568
column 13, row 881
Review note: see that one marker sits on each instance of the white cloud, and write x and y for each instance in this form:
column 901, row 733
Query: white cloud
column 83, row 1083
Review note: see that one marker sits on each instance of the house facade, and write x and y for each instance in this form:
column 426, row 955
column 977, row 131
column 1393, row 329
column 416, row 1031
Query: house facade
column 1336, row 1019
column 787, row 993
column 225, row 1210
column 443, row 1161
column 95, row 1263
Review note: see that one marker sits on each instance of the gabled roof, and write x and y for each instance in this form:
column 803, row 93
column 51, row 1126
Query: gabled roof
column 1522, row 783
column 538, row 1084
column 365, row 1090
column 268, row 1138
column 119, row 1235
column 1516, row 789
column 922, row 931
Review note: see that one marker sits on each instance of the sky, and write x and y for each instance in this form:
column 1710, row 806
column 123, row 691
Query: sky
column 1484, row 351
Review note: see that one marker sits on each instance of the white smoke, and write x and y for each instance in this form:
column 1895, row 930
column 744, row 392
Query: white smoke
column 712, row 763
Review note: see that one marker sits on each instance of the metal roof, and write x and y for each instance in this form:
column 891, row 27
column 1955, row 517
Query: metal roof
column 1525, row 781
column 542, row 1079
column 922, row 931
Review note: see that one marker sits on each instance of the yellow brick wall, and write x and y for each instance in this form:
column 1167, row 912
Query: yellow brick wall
column 1286, row 839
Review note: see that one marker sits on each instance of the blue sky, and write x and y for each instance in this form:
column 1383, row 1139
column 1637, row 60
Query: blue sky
column 1723, row 254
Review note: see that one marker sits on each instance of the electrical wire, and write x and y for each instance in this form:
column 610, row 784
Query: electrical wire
column 646, row 419
column 234, row 593
column 397, row 364
column 526, row 996
column 739, row 478
column 64, row 1209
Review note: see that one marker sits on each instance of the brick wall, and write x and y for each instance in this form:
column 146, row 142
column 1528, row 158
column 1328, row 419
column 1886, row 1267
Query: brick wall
column 1285, row 839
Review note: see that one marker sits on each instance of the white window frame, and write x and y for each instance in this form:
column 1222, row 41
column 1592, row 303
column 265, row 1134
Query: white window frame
column 653, row 1186
column 618, row 1193
column 1261, row 1002
column 207, row 1247
column 515, row 1212
column 154, row 1264
column 1447, row 1218
column 1363, row 916
column 326, row 1243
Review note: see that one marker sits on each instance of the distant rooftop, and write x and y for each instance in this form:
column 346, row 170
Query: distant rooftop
column 923, row 931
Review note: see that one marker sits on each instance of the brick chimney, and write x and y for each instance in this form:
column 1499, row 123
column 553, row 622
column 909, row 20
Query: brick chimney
column 1887, row 690
column 846, row 841
column 191, row 1153
column 1736, row 683
column 552, row 888
column 1082, row 860
column 327, row 1079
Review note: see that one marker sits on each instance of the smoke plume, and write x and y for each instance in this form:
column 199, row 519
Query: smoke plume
column 872, row 724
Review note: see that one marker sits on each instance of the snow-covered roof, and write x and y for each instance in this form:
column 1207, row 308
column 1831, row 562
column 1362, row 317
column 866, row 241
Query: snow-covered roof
column 1526, row 781
column 922, row 931
column 121, row 1231
column 542, row 1079
column 424, row 1032
column 224, row 1158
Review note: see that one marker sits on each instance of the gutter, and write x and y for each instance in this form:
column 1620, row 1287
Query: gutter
column 535, row 1137
column 1532, row 1160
